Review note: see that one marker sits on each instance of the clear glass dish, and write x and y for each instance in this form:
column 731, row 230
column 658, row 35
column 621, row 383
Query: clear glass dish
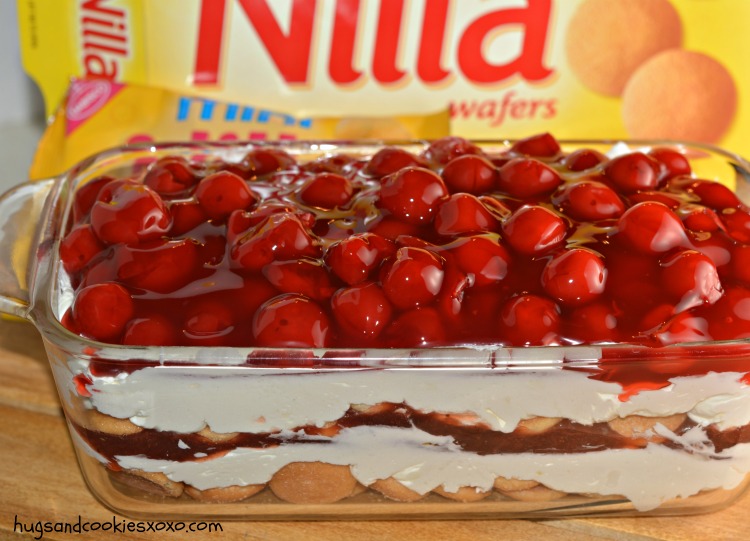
column 449, row 432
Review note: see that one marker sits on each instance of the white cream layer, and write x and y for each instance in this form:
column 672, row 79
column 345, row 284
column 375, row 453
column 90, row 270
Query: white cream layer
column 647, row 477
column 232, row 399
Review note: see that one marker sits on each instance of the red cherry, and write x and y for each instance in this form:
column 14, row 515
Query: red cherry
column 527, row 177
column 419, row 327
column 482, row 258
column 451, row 296
column 362, row 310
column 412, row 278
column 543, row 145
column 479, row 309
column 240, row 222
column 211, row 251
column 588, row 200
column 655, row 319
column 246, row 295
column 341, row 164
column 633, row 172
column 160, row 266
column 129, row 212
column 674, row 163
column 584, row 159
column 222, row 193
column 68, row 322
column 592, row 323
column 470, row 174
column 291, row 321
column 233, row 168
column 412, row 194
column 306, row 277
column 711, row 194
column 207, row 322
column 501, row 158
column 86, row 196
column 698, row 218
column 632, row 281
column 737, row 223
column 262, row 161
column 391, row 228
column 186, row 216
column 715, row 195
column 78, row 248
column 575, row 276
column 729, row 317
column 684, row 327
column 740, row 263
column 463, row 213
column 154, row 330
column 446, row 149
column 389, row 160
column 100, row 269
column 107, row 192
column 651, row 228
column 530, row 320
column 691, row 279
column 170, row 176
column 279, row 237
column 717, row 247
column 353, row 259
column 534, row 230
column 326, row 191
column 101, row 311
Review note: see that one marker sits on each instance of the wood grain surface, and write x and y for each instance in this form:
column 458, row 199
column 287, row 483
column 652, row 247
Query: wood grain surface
column 40, row 481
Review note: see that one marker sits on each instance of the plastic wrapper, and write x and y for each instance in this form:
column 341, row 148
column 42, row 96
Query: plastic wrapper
column 98, row 114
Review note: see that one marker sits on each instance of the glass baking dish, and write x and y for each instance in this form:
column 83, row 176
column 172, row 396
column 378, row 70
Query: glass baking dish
column 485, row 431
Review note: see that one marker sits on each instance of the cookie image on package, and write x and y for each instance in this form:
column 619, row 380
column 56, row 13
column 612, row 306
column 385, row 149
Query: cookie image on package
column 680, row 94
column 607, row 41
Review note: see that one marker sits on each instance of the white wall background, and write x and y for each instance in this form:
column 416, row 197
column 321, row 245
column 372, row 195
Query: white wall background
column 21, row 106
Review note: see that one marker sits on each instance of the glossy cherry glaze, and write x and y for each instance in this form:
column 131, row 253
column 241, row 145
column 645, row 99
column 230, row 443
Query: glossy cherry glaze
column 449, row 247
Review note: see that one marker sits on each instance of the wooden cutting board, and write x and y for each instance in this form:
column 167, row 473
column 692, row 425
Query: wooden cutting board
column 40, row 482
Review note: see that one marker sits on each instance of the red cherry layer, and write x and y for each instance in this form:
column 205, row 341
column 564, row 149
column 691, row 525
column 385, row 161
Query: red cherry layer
column 529, row 246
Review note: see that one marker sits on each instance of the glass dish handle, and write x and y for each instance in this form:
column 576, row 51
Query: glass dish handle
column 21, row 221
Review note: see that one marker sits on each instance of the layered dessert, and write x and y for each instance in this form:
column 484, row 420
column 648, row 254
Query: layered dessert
column 439, row 322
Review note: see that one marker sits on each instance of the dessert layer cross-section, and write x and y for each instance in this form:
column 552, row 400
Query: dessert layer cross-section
column 455, row 320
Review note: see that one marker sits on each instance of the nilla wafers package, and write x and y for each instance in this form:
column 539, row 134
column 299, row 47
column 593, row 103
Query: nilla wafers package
column 626, row 69
column 708, row 103
column 98, row 114
column 606, row 42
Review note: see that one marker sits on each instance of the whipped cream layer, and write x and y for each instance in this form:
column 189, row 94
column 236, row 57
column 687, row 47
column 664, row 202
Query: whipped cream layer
column 647, row 477
column 259, row 400
column 280, row 401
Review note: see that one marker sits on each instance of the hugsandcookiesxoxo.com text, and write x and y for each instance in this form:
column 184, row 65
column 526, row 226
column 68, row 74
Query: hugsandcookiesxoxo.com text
column 116, row 525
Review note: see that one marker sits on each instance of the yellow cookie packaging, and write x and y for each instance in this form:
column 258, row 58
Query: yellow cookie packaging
column 97, row 114
column 631, row 69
